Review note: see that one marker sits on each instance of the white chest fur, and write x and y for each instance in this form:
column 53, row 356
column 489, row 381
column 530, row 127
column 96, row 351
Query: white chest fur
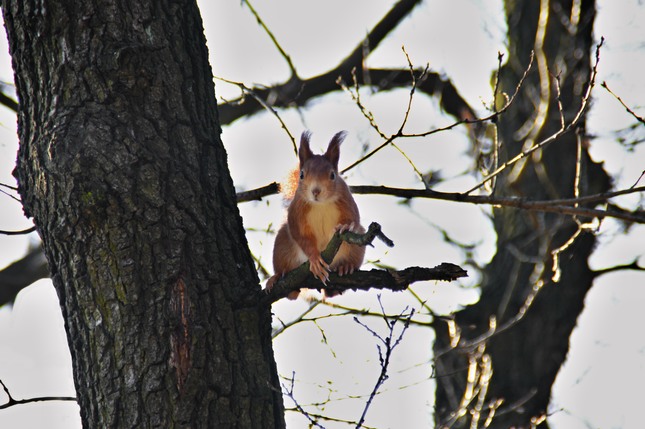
column 323, row 219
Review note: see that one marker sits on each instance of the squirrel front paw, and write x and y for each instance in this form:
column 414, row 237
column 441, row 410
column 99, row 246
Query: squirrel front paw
column 351, row 227
column 319, row 268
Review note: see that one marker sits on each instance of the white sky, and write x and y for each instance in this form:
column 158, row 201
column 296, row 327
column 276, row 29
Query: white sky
column 601, row 382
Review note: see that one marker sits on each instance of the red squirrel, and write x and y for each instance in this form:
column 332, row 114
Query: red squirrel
column 322, row 204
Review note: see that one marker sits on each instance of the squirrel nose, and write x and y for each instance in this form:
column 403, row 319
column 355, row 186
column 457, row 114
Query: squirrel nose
column 315, row 192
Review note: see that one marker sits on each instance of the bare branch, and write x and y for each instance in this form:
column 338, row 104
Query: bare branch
column 257, row 194
column 413, row 88
column 21, row 232
column 297, row 92
column 11, row 401
column 22, row 273
column 389, row 22
column 466, row 118
column 568, row 206
column 289, row 392
column 260, row 21
column 620, row 100
column 334, row 419
column 632, row 266
column 556, row 135
column 385, row 349
column 12, row 188
column 637, row 180
column 7, row 101
column 4, row 185
column 284, row 326
column 266, row 106
column 561, row 206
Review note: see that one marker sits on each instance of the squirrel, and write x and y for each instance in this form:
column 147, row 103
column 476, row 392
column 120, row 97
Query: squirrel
column 322, row 205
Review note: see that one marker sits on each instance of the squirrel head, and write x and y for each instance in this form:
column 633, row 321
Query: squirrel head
column 319, row 178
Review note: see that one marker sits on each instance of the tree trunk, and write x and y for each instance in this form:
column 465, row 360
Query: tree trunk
column 122, row 168
column 525, row 357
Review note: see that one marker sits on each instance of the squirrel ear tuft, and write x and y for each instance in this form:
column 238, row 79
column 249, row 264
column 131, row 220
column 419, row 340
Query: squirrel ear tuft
column 333, row 150
column 304, row 153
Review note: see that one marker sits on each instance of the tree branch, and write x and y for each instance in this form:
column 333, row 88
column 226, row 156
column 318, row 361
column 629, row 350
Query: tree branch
column 632, row 266
column 288, row 392
column 277, row 45
column 296, row 91
column 259, row 193
column 20, row 232
column 12, row 402
column 553, row 137
column 385, row 349
column 301, row 277
column 8, row 101
column 562, row 206
column 568, row 206
column 21, row 274
column 620, row 100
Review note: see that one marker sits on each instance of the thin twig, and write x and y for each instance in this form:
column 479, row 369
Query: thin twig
column 620, row 100
column 260, row 21
column 413, row 88
column 400, row 134
column 288, row 93
column 2, row 191
column 583, row 107
column 22, row 232
column 496, row 139
column 389, row 344
column 356, row 97
column 637, row 180
column 11, row 401
column 266, row 106
column 4, row 185
column 288, row 391
column 284, row 326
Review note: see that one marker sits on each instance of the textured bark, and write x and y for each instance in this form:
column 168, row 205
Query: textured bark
column 527, row 356
column 122, row 168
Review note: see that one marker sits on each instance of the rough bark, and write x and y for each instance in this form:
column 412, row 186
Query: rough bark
column 527, row 355
column 122, row 168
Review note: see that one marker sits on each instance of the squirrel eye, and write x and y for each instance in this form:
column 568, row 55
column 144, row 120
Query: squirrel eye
column 302, row 174
column 332, row 175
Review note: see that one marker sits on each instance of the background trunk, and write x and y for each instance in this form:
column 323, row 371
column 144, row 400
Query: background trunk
column 526, row 357
column 123, row 171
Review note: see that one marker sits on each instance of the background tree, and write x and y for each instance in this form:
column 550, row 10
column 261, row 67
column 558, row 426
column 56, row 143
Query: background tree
column 537, row 281
column 507, row 366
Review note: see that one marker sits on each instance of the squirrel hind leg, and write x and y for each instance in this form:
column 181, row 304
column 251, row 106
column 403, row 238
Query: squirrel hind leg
column 293, row 295
column 269, row 285
column 348, row 259
column 326, row 294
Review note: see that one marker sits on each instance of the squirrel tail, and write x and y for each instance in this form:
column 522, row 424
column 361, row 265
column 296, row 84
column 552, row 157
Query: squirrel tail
column 289, row 185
